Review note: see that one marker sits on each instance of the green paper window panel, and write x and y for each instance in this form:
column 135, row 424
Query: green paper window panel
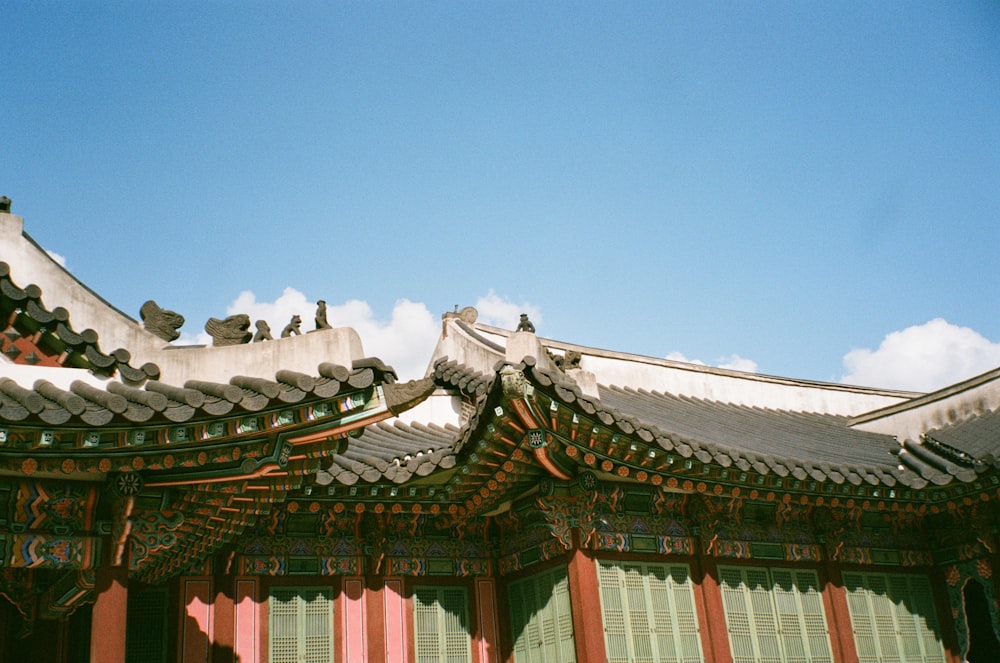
column 146, row 627
column 774, row 615
column 300, row 625
column 648, row 613
column 441, row 625
column 893, row 618
column 541, row 618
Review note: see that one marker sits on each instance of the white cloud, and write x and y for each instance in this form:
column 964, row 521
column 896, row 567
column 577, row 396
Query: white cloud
column 677, row 356
column 498, row 311
column 733, row 362
column 58, row 258
column 277, row 313
column 189, row 338
column 922, row 358
column 405, row 342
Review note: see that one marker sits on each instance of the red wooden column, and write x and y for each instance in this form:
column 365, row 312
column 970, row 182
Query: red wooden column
column 109, row 616
column 487, row 640
column 838, row 617
column 585, row 600
column 224, row 631
column 375, row 616
column 712, row 613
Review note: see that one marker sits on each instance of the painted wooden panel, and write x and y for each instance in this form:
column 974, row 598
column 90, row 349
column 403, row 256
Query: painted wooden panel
column 541, row 618
column 300, row 625
column 395, row 622
column 247, row 613
column 355, row 633
column 893, row 618
column 775, row 615
column 197, row 627
column 649, row 613
column 441, row 625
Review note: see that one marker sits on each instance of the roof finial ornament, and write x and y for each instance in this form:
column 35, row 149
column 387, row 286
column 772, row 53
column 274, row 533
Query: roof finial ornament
column 321, row 322
column 263, row 332
column 525, row 324
column 4, row 205
column 231, row 331
column 160, row 321
column 292, row 327
column 468, row 315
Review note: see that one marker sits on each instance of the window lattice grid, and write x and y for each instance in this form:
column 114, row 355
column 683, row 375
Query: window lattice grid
column 893, row 618
column 146, row 627
column 775, row 615
column 541, row 618
column 441, row 625
column 648, row 613
column 300, row 625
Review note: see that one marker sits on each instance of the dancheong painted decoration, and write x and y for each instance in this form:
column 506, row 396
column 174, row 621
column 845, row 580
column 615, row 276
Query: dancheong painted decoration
column 279, row 498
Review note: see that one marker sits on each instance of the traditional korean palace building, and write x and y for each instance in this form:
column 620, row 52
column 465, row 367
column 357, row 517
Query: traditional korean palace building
column 287, row 500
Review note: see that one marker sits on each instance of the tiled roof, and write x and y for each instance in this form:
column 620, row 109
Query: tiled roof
column 393, row 451
column 800, row 444
column 974, row 442
column 451, row 374
column 397, row 452
column 804, row 444
column 157, row 402
column 28, row 318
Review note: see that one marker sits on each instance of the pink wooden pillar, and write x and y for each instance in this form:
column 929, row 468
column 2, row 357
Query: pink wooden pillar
column 197, row 620
column 109, row 616
column 395, row 621
column 355, row 633
column 223, row 621
column 246, row 640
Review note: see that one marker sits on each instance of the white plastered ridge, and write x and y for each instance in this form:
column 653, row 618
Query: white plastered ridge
column 949, row 406
column 666, row 376
column 31, row 265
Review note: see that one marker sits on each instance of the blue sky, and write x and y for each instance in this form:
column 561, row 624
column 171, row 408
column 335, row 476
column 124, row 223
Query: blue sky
column 802, row 189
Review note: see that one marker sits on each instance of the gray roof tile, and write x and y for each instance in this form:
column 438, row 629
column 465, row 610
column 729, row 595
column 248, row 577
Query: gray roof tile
column 767, row 441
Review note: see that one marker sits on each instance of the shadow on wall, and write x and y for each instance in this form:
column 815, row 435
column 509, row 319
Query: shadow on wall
column 983, row 645
column 196, row 645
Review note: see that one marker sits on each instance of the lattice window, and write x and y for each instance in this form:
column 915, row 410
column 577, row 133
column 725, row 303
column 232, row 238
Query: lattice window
column 893, row 618
column 300, row 625
column 146, row 627
column 441, row 625
column 774, row 615
column 541, row 619
column 648, row 612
